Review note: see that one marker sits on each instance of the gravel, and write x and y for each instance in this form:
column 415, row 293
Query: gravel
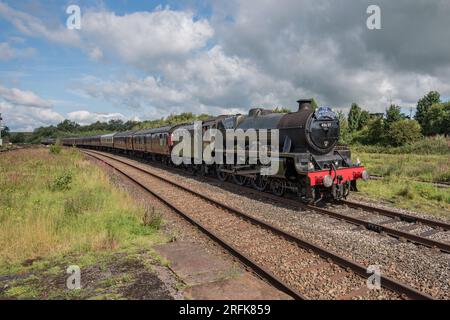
column 307, row 272
column 422, row 268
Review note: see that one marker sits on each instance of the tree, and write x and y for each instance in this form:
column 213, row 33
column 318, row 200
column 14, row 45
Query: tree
column 18, row 138
column 376, row 132
column 404, row 132
column 314, row 104
column 393, row 114
column 437, row 119
column 424, row 105
column 363, row 119
column 68, row 126
column 446, row 120
column 354, row 117
column 5, row 132
column 281, row 110
column 344, row 135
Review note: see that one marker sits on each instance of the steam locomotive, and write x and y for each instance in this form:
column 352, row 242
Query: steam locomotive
column 310, row 163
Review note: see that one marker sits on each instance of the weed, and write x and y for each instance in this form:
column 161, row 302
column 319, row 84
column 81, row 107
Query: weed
column 55, row 149
column 406, row 192
column 152, row 219
column 62, row 182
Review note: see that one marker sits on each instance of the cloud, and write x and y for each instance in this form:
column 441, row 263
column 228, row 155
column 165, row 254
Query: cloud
column 24, row 110
column 25, row 98
column 144, row 38
column 85, row 117
column 25, row 118
column 35, row 27
column 260, row 53
column 140, row 38
column 8, row 53
column 209, row 82
column 324, row 49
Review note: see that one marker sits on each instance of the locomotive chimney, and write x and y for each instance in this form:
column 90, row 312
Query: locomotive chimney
column 304, row 104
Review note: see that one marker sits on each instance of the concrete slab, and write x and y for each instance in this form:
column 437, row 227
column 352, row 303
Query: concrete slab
column 193, row 264
column 244, row 287
column 209, row 277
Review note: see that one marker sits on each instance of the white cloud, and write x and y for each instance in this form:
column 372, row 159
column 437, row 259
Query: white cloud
column 32, row 26
column 138, row 38
column 142, row 38
column 24, row 98
column 259, row 53
column 84, row 117
column 25, row 118
column 24, row 110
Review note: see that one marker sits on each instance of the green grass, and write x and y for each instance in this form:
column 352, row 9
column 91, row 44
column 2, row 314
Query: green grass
column 415, row 196
column 54, row 204
column 402, row 187
column 425, row 146
column 434, row 168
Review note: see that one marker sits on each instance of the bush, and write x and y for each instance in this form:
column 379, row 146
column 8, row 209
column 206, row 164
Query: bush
column 56, row 148
column 404, row 132
column 62, row 182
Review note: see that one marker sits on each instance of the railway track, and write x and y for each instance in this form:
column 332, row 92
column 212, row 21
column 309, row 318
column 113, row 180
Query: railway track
column 356, row 219
column 300, row 268
column 442, row 185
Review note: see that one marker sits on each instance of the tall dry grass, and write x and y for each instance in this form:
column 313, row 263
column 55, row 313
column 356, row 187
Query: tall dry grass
column 57, row 203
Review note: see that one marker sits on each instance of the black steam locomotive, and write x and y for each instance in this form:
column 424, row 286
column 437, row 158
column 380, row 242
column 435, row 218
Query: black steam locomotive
column 309, row 163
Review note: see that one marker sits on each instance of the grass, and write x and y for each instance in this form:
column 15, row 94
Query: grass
column 434, row 168
column 415, row 196
column 402, row 187
column 58, row 204
column 425, row 146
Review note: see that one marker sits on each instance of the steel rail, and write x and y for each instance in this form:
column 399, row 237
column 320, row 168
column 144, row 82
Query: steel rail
column 441, row 185
column 359, row 269
column 402, row 216
column 261, row 271
column 444, row 247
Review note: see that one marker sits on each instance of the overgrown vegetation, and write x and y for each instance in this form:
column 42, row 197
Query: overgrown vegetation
column 428, row 168
column 56, row 148
column 401, row 185
column 54, row 204
column 394, row 129
column 404, row 193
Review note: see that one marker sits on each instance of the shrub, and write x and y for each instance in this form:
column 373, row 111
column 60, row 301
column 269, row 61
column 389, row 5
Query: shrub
column 56, row 148
column 404, row 132
column 152, row 219
column 62, row 182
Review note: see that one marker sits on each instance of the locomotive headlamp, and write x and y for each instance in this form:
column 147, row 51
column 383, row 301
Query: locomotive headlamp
column 358, row 162
column 328, row 181
column 310, row 166
column 365, row 175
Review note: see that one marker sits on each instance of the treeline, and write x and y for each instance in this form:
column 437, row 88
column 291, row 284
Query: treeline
column 394, row 128
column 390, row 129
column 70, row 128
column 171, row 120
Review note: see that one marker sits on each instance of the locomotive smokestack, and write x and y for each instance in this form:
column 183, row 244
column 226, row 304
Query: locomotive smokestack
column 304, row 104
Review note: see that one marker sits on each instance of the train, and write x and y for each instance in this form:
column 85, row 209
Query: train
column 311, row 164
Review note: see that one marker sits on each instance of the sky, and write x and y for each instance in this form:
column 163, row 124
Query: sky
column 147, row 59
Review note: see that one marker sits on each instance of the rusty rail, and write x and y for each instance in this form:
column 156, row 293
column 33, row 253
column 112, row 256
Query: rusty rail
column 359, row 269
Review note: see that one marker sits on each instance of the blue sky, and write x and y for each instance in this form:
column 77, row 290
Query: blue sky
column 147, row 59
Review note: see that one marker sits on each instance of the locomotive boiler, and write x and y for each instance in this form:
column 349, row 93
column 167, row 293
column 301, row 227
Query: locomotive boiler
column 310, row 162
